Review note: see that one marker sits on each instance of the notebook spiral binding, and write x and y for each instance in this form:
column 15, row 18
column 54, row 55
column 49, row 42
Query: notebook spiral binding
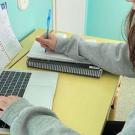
column 64, row 67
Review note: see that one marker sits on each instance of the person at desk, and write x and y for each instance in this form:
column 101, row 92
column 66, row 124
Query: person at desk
column 119, row 59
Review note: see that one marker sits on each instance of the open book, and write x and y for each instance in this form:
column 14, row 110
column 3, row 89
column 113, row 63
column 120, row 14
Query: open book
column 38, row 58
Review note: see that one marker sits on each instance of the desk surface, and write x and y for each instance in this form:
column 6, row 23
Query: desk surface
column 82, row 103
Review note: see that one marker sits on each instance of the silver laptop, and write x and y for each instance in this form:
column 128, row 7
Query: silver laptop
column 38, row 87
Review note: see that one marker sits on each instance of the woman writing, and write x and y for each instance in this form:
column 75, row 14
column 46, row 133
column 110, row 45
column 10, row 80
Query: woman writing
column 25, row 119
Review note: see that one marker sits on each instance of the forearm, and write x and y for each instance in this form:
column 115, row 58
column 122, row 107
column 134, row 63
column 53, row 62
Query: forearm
column 25, row 119
column 113, row 58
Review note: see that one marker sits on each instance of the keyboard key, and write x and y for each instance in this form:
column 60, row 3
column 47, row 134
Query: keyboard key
column 13, row 83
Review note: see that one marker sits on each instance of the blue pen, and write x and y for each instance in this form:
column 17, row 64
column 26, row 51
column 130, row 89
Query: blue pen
column 48, row 24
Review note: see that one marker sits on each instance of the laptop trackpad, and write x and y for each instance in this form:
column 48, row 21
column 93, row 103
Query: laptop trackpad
column 40, row 95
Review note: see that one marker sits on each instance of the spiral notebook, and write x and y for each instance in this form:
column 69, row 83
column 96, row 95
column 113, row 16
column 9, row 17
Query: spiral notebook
column 38, row 58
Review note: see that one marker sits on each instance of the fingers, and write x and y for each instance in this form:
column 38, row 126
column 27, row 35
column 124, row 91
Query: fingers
column 45, row 44
column 3, row 103
column 49, row 43
column 7, row 101
column 43, row 41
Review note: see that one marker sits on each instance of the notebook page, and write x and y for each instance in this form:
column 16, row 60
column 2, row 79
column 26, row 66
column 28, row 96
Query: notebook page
column 4, row 60
column 7, row 35
column 38, row 52
column 12, row 46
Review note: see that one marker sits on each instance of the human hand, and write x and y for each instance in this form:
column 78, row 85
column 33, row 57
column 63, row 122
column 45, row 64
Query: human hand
column 5, row 102
column 49, row 43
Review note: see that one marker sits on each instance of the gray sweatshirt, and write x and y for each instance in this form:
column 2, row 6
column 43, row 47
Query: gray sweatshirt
column 25, row 119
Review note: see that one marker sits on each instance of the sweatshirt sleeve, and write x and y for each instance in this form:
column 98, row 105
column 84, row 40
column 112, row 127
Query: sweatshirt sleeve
column 129, row 127
column 25, row 119
column 112, row 57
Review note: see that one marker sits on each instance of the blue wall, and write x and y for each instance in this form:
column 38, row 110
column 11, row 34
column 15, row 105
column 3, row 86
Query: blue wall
column 23, row 22
column 105, row 18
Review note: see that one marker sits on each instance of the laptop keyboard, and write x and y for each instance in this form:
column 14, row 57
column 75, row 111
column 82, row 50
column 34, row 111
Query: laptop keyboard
column 13, row 83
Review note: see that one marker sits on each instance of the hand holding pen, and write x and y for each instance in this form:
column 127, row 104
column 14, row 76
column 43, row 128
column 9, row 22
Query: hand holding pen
column 47, row 41
column 50, row 43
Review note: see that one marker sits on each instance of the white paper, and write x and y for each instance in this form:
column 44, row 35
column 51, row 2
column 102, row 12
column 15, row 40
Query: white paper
column 4, row 59
column 38, row 52
column 8, row 40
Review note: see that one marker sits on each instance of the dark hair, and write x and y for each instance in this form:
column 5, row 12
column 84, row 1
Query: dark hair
column 130, row 34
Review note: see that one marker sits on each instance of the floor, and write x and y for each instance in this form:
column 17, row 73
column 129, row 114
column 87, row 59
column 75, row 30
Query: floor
column 126, row 98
